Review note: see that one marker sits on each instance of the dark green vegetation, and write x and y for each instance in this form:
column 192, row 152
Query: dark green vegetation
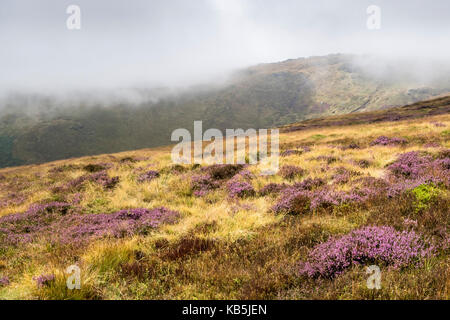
column 259, row 97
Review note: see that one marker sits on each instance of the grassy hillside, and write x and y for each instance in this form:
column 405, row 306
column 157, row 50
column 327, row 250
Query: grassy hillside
column 37, row 129
column 348, row 195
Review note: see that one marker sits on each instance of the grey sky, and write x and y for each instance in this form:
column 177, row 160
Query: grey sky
column 178, row 42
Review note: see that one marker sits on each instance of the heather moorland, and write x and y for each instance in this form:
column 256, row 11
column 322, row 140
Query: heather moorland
column 349, row 194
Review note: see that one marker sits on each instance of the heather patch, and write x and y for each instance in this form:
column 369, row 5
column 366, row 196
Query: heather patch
column 104, row 180
column 203, row 184
column 309, row 184
column 293, row 202
column 413, row 169
column 443, row 154
column 409, row 171
column 174, row 169
column 4, row 281
column 215, row 175
column 363, row 163
column 413, row 165
column 343, row 175
column 239, row 186
column 13, row 199
column 386, row 141
column 432, row 145
column 327, row 159
column 410, row 165
column 57, row 223
column 305, row 148
column 272, row 188
column 369, row 245
column 148, row 176
column 288, row 153
column 320, row 198
column 291, row 172
column 44, row 280
column 223, row 171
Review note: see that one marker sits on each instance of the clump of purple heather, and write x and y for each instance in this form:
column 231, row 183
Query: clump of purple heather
column 44, row 280
column 309, row 184
column 410, row 223
column 223, row 171
column 442, row 163
column 215, row 175
column 148, row 176
column 409, row 171
column 413, row 169
column 76, row 199
column 59, row 207
column 245, row 174
column 410, row 165
column 320, row 197
column 343, row 175
column 104, row 180
column 76, row 184
column 4, row 281
column 272, row 188
column 305, row 148
column 327, row 159
column 12, row 199
column 386, row 141
column 55, row 223
column 363, row 163
column 352, row 146
column 288, row 153
column 399, row 187
column 444, row 154
column 432, row 145
column 240, row 187
column 341, row 178
column 291, row 172
column 325, row 197
column 369, row 245
column 202, row 184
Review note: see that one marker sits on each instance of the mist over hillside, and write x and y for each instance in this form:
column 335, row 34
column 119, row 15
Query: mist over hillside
column 36, row 128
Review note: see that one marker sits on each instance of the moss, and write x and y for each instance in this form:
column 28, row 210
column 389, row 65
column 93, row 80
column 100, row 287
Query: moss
column 424, row 194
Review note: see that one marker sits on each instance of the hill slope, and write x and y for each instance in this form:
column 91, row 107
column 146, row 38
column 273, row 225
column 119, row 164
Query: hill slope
column 139, row 227
column 36, row 129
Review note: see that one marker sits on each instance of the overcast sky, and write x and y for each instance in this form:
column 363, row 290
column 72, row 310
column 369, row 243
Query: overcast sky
column 143, row 43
